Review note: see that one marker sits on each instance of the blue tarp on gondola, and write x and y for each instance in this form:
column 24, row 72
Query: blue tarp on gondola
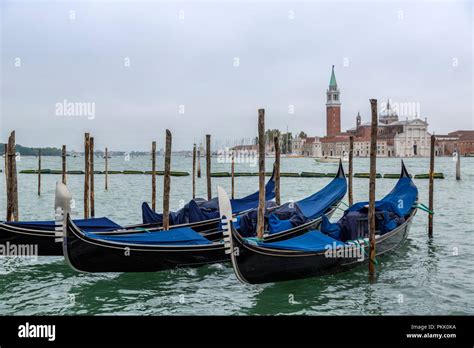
column 102, row 224
column 313, row 241
column 399, row 201
column 201, row 210
column 390, row 213
column 316, row 204
column 297, row 213
column 176, row 236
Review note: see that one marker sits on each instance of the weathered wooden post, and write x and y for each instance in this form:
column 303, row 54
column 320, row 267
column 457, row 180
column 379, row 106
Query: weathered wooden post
column 166, row 182
column 39, row 172
column 208, row 166
column 12, row 186
column 194, row 171
column 232, row 169
column 458, row 164
column 153, row 176
column 7, row 182
column 199, row 161
column 63, row 158
column 106, row 169
column 261, row 174
column 276, row 142
column 86, row 175
column 351, row 154
column 373, row 171
column 91, row 173
column 430, row 194
column 6, row 167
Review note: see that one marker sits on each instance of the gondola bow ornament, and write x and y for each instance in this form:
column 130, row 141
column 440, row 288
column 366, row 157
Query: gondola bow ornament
column 225, row 211
column 62, row 207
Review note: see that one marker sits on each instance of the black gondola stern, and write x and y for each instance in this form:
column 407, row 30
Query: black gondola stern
column 404, row 172
column 340, row 172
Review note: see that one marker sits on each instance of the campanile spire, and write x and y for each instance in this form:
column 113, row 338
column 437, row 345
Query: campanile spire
column 333, row 107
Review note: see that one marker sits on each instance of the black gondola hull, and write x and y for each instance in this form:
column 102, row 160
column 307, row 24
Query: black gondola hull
column 43, row 241
column 256, row 265
column 49, row 244
column 93, row 255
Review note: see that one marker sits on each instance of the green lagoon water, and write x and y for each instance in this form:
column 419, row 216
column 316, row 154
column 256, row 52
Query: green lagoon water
column 422, row 277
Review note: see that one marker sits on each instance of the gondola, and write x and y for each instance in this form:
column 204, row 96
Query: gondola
column 179, row 247
column 204, row 218
column 331, row 249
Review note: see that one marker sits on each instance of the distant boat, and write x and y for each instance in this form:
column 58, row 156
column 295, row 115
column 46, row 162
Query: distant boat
column 108, row 156
column 293, row 155
column 330, row 159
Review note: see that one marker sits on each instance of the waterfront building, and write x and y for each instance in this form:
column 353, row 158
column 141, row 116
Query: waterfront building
column 461, row 140
column 396, row 138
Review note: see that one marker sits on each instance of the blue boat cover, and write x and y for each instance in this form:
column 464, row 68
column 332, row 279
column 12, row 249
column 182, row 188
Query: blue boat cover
column 390, row 213
column 201, row 210
column 294, row 214
column 176, row 236
column 399, row 201
column 316, row 204
column 313, row 241
column 102, row 224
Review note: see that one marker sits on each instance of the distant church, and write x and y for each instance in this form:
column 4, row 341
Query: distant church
column 396, row 138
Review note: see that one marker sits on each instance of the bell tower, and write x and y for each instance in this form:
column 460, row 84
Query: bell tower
column 358, row 121
column 333, row 107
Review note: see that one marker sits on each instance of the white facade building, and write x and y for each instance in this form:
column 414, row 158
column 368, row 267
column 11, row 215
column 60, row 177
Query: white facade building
column 414, row 140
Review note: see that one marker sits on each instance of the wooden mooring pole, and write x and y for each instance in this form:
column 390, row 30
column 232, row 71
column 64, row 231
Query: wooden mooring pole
column 430, row 193
column 276, row 142
column 208, row 166
column 199, row 161
column 39, row 172
column 373, row 171
column 86, row 175
column 91, row 173
column 166, row 182
column 261, row 174
column 106, row 169
column 153, row 176
column 63, row 159
column 351, row 154
column 233, row 173
column 6, row 167
column 12, row 183
column 194, row 171
column 458, row 164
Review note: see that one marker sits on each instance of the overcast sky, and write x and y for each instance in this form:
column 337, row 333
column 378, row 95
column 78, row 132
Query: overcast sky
column 206, row 67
